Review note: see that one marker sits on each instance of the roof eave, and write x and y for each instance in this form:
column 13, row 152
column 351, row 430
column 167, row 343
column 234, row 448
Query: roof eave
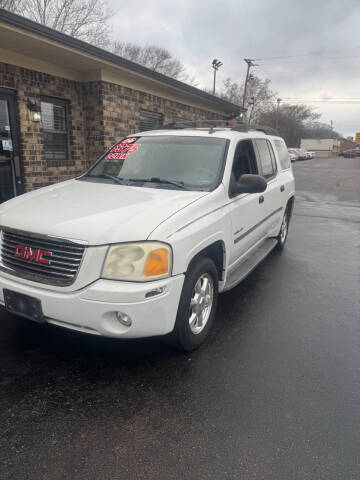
column 68, row 41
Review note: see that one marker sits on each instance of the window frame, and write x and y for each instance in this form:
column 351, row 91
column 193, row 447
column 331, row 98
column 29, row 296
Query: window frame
column 61, row 103
column 272, row 157
column 256, row 164
column 282, row 141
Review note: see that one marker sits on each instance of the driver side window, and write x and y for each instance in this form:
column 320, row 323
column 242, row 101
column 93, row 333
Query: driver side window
column 244, row 161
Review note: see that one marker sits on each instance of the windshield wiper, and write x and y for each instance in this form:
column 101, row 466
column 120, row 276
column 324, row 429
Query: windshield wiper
column 111, row 177
column 160, row 180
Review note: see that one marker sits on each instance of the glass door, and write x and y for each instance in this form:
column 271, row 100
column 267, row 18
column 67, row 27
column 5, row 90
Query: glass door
column 9, row 154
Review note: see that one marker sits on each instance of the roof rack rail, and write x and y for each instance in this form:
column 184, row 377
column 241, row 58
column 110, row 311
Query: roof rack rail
column 265, row 129
column 240, row 127
column 176, row 125
column 217, row 123
column 220, row 123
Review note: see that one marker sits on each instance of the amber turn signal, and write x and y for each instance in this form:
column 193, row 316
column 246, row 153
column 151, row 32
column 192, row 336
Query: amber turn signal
column 157, row 263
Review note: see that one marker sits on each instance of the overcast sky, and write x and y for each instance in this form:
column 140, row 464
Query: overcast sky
column 320, row 40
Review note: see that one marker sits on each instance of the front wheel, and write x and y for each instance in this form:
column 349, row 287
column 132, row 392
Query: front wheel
column 197, row 305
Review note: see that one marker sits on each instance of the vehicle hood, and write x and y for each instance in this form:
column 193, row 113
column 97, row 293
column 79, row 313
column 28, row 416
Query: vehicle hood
column 98, row 213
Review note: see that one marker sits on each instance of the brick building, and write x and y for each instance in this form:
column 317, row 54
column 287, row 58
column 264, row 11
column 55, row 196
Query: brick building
column 346, row 144
column 63, row 102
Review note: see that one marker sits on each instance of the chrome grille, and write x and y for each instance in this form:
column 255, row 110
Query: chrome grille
column 64, row 262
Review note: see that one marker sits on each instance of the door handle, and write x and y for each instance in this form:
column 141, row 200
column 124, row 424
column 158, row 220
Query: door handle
column 261, row 199
column 282, row 188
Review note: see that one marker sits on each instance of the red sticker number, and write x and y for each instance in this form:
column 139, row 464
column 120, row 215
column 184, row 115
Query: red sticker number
column 123, row 149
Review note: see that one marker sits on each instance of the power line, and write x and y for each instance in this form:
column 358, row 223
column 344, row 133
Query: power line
column 304, row 60
column 309, row 54
column 321, row 99
column 321, row 102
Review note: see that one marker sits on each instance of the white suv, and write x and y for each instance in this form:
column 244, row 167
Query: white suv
column 141, row 244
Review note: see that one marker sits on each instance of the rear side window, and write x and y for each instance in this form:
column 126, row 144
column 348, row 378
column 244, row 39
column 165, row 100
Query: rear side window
column 266, row 157
column 283, row 154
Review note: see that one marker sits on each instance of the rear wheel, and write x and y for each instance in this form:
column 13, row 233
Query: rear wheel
column 284, row 230
column 197, row 305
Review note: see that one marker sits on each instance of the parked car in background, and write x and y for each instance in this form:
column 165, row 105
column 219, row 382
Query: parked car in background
column 293, row 153
column 312, row 154
column 303, row 154
column 351, row 152
column 300, row 152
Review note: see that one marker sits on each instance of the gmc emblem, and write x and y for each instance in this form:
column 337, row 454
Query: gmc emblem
column 32, row 254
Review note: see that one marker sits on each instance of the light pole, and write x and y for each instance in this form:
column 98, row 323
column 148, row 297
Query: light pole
column 216, row 64
column 277, row 111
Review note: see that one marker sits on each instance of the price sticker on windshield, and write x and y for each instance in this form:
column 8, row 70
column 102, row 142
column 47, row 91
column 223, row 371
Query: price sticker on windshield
column 123, row 149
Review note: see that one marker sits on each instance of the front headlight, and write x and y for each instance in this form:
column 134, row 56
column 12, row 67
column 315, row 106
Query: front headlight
column 138, row 262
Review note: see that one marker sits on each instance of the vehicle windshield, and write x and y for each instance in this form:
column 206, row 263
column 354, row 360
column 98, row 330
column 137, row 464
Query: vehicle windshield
column 192, row 163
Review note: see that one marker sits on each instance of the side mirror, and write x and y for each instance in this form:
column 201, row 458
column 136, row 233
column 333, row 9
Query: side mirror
column 248, row 183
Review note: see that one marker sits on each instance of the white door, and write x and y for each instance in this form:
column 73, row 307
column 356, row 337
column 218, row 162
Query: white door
column 246, row 210
column 274, row 195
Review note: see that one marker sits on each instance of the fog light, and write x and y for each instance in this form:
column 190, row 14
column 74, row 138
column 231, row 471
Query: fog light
column 124, row 319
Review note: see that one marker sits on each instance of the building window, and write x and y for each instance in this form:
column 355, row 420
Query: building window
column 149, row 120
column 53, row 117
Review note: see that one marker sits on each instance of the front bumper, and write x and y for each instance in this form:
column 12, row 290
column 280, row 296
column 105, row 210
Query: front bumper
column 93, row 308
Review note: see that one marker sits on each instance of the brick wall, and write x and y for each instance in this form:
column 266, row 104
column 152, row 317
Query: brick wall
column 99, row 114
column 346, row 144
column 32, row 85
column 114, row 111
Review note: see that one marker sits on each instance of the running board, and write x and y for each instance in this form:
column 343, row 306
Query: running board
column 248, row 265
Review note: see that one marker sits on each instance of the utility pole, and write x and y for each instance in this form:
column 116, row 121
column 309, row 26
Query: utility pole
column 250, row 63
column 252, row 103
column 216, row 64
column 277, row 112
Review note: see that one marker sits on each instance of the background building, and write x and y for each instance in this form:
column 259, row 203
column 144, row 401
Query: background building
column 63, row 102
column 324, row 147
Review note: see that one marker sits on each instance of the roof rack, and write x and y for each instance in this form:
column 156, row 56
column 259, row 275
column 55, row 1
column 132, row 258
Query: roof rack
column 267, row 130
column 176, row 126
column 220, row 123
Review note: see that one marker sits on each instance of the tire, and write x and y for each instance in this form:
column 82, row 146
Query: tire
column 284, row 230
column 193, row 323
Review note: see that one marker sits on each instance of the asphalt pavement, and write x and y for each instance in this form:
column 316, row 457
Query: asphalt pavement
column 274, row 394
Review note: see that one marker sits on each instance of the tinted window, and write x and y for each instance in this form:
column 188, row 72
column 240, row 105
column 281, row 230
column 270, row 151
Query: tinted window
column 244, row 160
column 195, row 161
column 283, row 154
column 266, row 157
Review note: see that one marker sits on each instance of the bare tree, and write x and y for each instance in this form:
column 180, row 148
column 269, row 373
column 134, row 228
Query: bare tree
column 11, row 5
column 320, row 130
column 259, row 98
column 292, row 121
column 153, row 57
column 232, row 91
column 82, row 19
